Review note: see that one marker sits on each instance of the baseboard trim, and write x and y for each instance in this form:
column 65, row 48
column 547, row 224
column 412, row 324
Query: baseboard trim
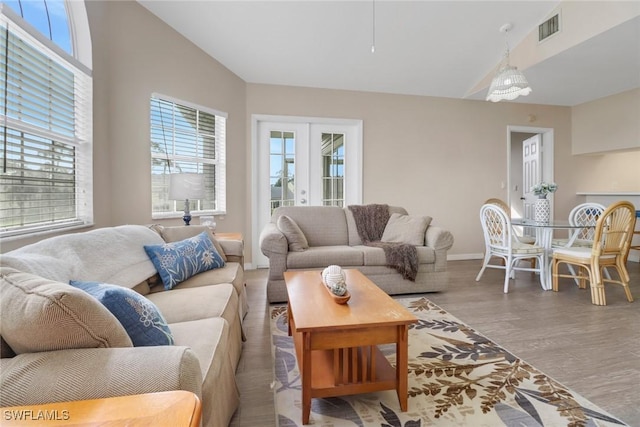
column 462, row 257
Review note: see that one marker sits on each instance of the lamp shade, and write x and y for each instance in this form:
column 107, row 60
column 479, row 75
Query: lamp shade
column 508, row 84
column 186, row 186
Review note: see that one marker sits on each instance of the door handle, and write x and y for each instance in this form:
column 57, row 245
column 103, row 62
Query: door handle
column 522, row 198
column 303, row 201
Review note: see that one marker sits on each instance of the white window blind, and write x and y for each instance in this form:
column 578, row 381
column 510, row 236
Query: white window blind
column 187, row 138
column 45, row 107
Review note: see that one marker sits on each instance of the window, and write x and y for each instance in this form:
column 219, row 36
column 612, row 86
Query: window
column 45, row 108
column 186, row 138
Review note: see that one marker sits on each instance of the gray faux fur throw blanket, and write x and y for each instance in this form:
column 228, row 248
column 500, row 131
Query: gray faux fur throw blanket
column 370, row 223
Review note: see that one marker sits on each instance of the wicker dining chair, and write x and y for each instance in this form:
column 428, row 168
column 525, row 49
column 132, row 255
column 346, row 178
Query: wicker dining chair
column 500, row 242
column 499, row 202
column 611, row 242
column 521, row 238
column 635, row 247
column 586, row 214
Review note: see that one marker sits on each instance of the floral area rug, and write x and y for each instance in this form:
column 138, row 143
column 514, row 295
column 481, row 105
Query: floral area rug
column 457, row 377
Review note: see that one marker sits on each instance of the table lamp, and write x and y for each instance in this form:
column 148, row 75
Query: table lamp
column 186, row 186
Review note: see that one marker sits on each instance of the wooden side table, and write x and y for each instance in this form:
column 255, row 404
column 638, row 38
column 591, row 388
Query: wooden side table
column 228, row 236
column 177, row 408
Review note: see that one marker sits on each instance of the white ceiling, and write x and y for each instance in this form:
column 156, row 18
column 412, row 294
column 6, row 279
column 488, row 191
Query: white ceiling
column 432, row 48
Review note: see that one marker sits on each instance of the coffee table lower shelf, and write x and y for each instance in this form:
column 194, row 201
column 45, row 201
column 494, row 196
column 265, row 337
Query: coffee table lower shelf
column 345, row 371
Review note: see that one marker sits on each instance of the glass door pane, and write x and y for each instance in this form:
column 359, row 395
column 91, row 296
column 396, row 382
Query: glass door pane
column 282, row 168
column 332, row 151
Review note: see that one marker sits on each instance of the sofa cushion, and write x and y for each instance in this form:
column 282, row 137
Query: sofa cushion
column 374, row 256
column 232, row 273
column 204, row 302
column 295, row 237
column 181, row 232
column 354, row 237
column 321, row 225
column 408, row 229
column 322, row 256
column 43, row 315
column 142, row 320
column 210, row 301
column 177, row 261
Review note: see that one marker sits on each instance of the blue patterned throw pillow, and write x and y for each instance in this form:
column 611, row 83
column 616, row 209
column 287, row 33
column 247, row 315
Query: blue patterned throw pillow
column 178, row 261
column 142, row 320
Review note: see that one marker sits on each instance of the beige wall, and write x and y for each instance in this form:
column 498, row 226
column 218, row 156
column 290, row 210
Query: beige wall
column 607, row 124
column 612, row 172
column 436, row 156
column 141, row 55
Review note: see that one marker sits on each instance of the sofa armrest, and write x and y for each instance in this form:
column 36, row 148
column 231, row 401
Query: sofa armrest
column 272, row 241
column 274, row 245
column 232, row 247
column 92, row 373
column 438, row 238
column 233, row 250
column 441, row 241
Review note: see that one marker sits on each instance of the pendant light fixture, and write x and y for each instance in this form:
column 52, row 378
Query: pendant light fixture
column 509, row 83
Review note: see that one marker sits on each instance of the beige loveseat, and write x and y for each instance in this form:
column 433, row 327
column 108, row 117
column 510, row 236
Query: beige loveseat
column 60, row 344
column 333, row 238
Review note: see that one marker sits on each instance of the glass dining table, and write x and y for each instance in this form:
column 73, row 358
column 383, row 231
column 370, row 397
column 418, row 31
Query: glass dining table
column 544, row 237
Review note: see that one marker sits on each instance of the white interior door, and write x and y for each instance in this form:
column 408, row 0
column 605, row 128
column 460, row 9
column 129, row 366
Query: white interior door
column 304, row 162
column 531, row 172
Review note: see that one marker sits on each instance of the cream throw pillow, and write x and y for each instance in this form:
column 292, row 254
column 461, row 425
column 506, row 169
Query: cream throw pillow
column 408, row 229
column 42, row 315
column 293, row 233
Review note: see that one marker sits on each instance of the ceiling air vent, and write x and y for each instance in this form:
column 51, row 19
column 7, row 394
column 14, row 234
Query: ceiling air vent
column 549, row 27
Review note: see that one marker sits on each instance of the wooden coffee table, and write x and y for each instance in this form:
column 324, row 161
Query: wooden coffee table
column 336, row 344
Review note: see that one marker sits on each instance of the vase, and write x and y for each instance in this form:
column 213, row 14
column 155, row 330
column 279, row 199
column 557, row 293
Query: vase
column 208, row 221
column 541, row 210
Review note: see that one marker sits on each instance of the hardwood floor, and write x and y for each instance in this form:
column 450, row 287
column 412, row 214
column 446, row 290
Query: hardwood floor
column 591, row 349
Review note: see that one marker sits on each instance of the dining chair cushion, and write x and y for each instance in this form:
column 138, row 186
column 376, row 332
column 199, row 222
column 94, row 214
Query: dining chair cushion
column 526, row 239
column 561, row 243
column 579, row 252
column 521, row 248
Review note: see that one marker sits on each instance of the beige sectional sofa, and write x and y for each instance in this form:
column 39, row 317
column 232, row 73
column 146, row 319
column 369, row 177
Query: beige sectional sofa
column 61, row 344
column 332, row 238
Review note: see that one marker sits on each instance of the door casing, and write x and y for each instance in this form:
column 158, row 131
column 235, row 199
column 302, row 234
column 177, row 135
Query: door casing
column 547, row 135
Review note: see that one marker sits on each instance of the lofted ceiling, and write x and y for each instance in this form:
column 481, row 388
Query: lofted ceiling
column 429, row 48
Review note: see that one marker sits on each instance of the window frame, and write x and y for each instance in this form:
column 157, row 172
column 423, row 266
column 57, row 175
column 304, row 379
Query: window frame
column 219, row 161
column 82, row 140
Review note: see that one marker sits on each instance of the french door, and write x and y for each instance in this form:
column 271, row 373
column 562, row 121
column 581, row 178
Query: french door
column 303, row 162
